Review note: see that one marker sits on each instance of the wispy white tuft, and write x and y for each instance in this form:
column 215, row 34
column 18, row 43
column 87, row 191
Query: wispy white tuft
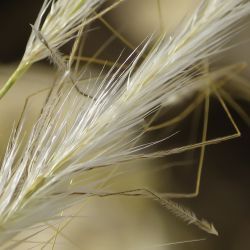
column 61, row 24
column 74, row 135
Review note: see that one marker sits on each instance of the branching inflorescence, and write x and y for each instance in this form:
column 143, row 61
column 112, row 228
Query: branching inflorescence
column 75, row 135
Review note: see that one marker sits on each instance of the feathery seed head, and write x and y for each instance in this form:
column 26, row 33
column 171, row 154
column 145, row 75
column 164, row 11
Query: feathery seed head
column 62, row 22
column 75, row 135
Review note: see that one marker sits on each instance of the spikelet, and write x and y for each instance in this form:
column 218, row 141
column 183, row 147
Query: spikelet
column 74, row 135
column 188, row 216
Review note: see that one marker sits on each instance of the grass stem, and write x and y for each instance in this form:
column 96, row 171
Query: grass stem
column 20, row 70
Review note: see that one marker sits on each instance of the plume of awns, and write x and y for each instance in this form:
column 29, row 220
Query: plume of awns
column 75, row 135
column 63, row 20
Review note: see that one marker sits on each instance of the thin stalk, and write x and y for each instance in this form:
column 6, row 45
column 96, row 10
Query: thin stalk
column 20, row 70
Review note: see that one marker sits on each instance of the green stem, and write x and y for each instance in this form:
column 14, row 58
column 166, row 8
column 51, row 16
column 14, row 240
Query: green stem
column 20, row 70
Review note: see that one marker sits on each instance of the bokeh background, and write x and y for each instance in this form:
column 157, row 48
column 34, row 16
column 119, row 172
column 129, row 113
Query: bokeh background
column 132, row 223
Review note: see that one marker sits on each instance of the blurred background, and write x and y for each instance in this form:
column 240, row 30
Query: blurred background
column 134, row 223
